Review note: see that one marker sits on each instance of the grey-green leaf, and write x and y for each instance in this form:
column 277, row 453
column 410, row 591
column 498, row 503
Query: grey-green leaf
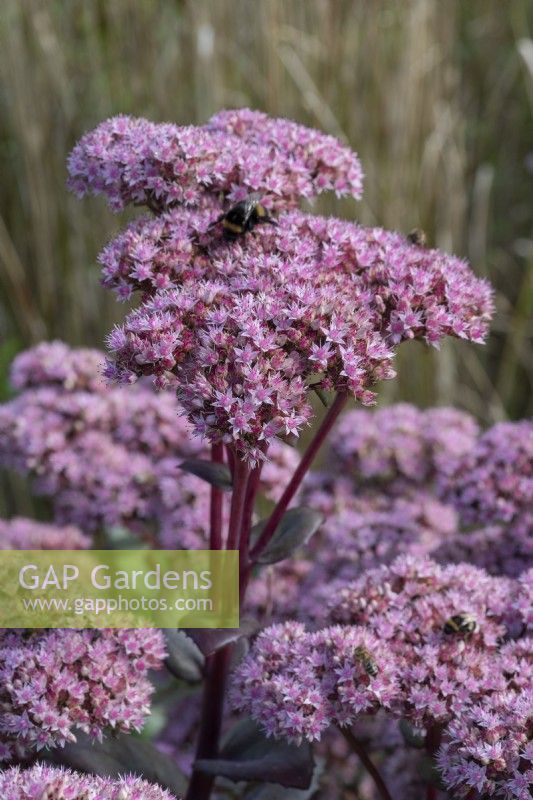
column 216, row 474
column 295, row 529
column 209, row 640
column 184, row 660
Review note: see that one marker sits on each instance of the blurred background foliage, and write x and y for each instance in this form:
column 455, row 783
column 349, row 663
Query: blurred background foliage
column 436, row 97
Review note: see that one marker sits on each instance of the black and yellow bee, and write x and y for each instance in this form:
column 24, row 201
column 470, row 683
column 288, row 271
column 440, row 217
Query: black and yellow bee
column 417, row 236
column 244, row 216
column 462, row 624
column 365, row 657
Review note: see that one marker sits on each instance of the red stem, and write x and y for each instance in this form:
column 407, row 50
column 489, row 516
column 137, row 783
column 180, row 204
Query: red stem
column 215, row 536
column 217, row 667
column 359, row 749
column 247, row 518
column 305, row 463
column 231, row 460
column 433, row 739
column 245, row 486
column 238, row 499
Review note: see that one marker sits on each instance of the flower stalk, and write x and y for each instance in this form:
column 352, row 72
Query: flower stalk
column 359, row 749
column 294, row 484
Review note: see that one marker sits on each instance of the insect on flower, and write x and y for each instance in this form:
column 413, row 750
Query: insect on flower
column 244, row 216
column 417, row 236
column 462, row 624
column 365, row 657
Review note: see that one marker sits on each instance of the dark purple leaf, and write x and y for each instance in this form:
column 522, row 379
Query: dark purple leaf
column 247, row 755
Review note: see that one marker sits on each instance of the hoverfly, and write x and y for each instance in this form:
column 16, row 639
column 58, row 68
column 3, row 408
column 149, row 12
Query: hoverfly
column 243, row 217
column 462, row 624
column 417, row 236
column 365, row 657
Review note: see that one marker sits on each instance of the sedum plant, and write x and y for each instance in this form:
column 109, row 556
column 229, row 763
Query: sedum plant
column 245, row 310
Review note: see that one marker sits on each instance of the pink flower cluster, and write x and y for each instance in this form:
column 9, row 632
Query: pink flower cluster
column 494, row 480
column 488, row 750
column 26, row 534
column 405, row 609
column 241, row 329
column 505, row 549
column 401, row 444
column 56, row 364
column 407, row 605
column 380, row 496
column 296, row 683
column 42, row 782
column 110, row 455
column 54, row 682
column 135, row 161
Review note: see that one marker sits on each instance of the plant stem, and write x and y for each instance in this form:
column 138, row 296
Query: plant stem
column 217, row 666
column 215, row 535
column 359, row 749
column 433, row 738
column 238, row 498
column 299, row 474
column 251, row 493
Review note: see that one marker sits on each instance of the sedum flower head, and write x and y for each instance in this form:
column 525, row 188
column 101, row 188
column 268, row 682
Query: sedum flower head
column 408, row 605
column 56, row 364
column 401, row 444
column 494, row 482
column 42, row 782
column 505, row 549
column 26, row 534
column 241, row 329
column 56, row 682
column 296, row 683
column 488, row 749
column 135, row 161
column 110, row 455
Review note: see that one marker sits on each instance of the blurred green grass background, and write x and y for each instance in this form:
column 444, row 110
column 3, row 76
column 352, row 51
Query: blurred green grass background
column 436, row 97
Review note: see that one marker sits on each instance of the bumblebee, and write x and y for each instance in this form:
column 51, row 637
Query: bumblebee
column 365, row 657
column 461, row 625
column 243, row 217
column 417, row 236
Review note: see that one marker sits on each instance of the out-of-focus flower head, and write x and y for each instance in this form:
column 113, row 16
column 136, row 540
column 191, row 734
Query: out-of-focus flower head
column 110, row 455
column 505, row 549
column 56, row 364
column 401, row 444
column 55, row 682
column 296, row 683
column 131, row 160
column 26, row 534
column 494, row 481
column 241, row 329
column 359, row 532
column 42, row 782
